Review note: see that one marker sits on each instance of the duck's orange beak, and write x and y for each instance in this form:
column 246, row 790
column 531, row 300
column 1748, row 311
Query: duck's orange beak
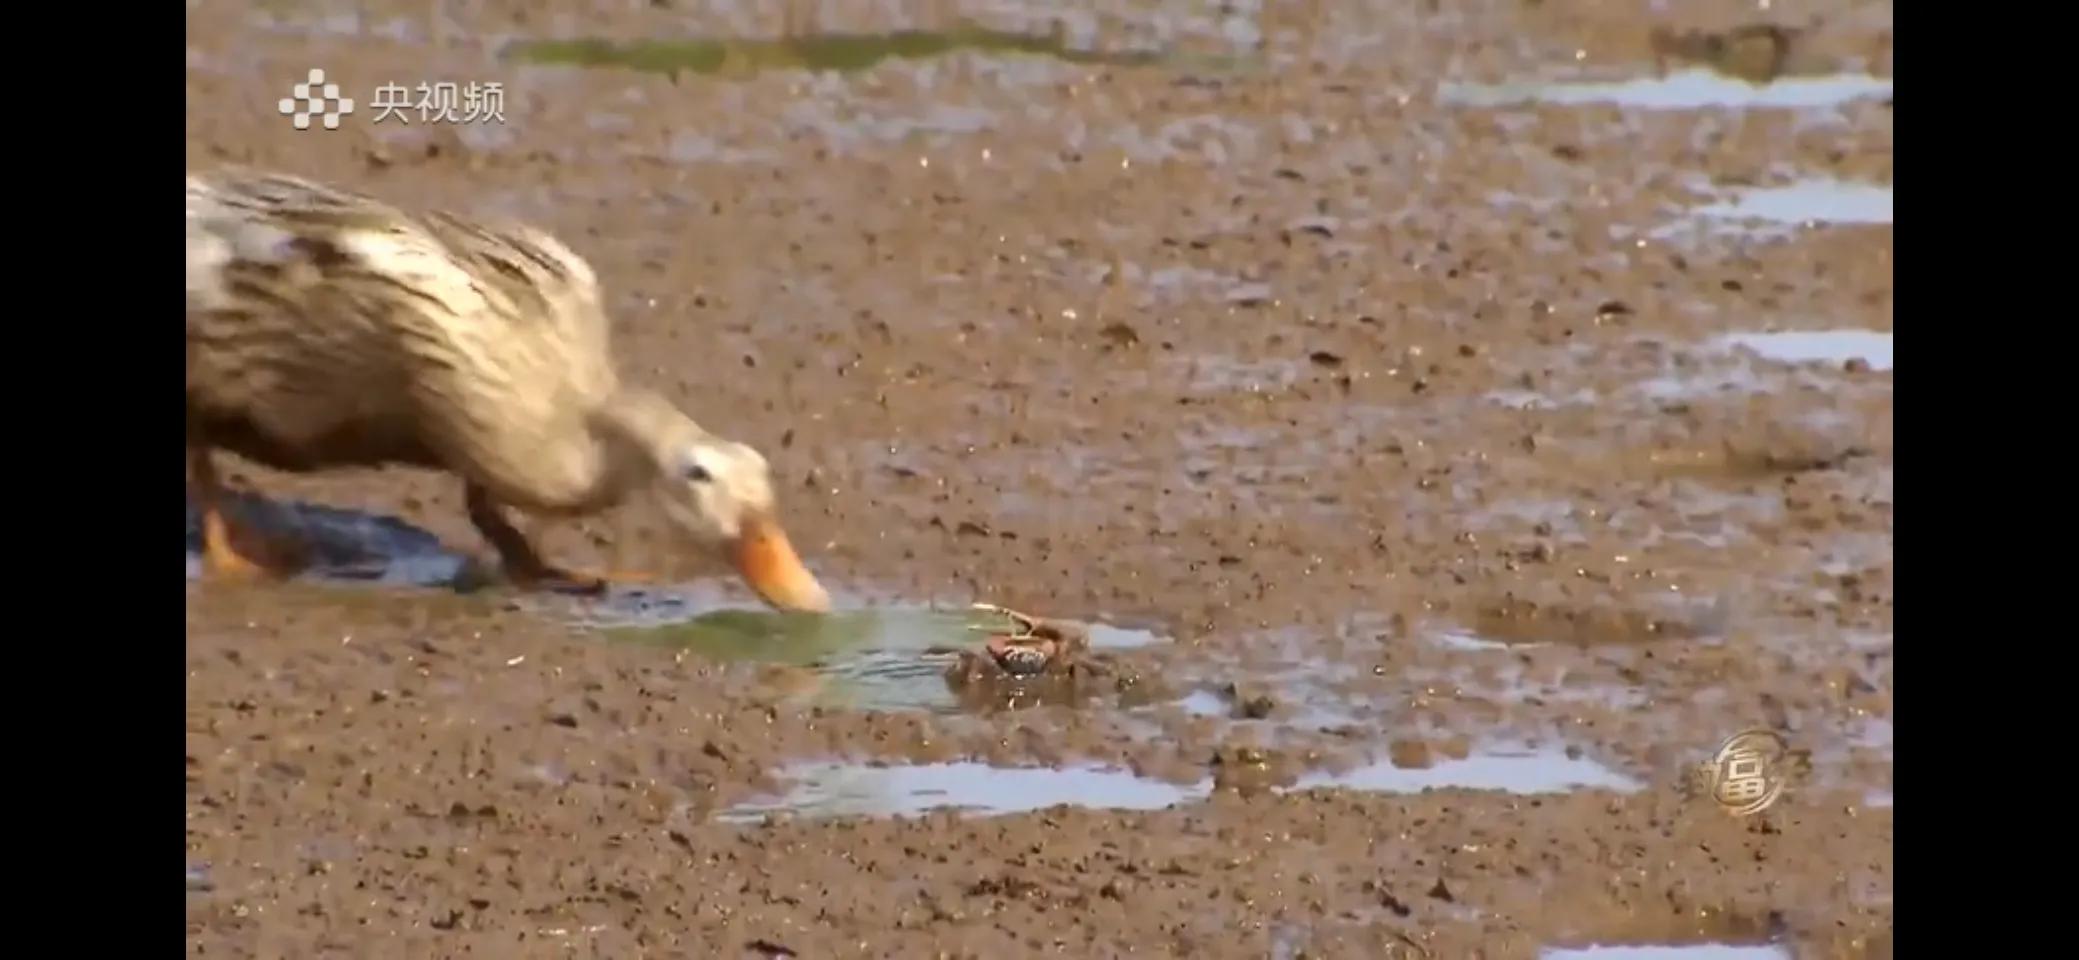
column 767, row 562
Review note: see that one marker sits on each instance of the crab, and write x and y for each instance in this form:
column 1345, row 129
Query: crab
column 1033, row 645
column 1034, row 661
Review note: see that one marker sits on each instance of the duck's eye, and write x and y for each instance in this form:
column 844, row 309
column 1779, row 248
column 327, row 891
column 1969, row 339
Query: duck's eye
column 695, row 473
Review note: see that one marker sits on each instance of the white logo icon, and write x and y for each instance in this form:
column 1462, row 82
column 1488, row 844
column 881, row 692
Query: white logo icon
column 316, row 98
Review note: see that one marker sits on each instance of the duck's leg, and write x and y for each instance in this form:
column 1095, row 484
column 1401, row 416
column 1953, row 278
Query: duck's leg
column 523, row 564
column 222, row 557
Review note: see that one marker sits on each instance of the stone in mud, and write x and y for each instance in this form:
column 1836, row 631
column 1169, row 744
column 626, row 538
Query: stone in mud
column 1249, row 770
column 1119, row 336
column 1249, row 701
column 1410, row 754
column 1134, row 688
column 1756, row 53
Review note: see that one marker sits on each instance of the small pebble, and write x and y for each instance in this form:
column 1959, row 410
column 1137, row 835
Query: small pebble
column 1410, row 754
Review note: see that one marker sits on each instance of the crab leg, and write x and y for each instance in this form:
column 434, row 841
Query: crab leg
column 1025, row 625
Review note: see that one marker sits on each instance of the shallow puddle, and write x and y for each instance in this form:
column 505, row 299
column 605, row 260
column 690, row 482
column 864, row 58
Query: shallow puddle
column 1693, row 89
column 1532, row 400
column 1691, row 951
column 879, row 658
column 828, row 789
column 1217, row 374
column 1282, row 684
column 1206, row 703
column 1814, row 200
column 842, row 790
column 1833, row 347
column 1466, row 642
column 839, row 52
column 1816, row 356
column 1285, row 700
column 1521, row 770
column 1772, row 214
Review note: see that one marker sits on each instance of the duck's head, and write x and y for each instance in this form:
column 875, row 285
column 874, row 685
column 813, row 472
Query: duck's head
column 719, row 493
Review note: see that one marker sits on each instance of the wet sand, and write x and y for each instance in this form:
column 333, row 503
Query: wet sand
column 1415, row 412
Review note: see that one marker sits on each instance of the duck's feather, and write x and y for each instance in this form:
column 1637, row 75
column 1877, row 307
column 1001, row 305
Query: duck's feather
column 328, row 328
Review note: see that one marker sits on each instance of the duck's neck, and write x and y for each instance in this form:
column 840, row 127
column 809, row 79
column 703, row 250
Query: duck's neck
column 637, row 433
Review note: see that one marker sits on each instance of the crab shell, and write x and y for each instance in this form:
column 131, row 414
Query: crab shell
column 1023, row 656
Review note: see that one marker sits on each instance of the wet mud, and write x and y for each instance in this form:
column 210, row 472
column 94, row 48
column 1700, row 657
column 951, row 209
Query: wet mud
column 1451, row 422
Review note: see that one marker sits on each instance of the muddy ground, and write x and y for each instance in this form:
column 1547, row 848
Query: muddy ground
column 1401, row 413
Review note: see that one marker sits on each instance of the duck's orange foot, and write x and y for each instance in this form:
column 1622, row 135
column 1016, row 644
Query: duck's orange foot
column 242, row 556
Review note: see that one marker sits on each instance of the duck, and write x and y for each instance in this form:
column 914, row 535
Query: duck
column 329, row 329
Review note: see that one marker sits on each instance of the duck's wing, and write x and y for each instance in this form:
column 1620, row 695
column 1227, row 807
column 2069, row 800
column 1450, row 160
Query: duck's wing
column 254, row 227
column 503, row 294
column 489, row 327
column 540, row 293
column 260, row 235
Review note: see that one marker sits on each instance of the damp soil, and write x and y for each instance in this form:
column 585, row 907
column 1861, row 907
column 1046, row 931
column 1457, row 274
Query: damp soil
column 1466, row 419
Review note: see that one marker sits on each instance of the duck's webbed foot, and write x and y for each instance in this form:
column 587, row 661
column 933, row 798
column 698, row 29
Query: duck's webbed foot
column 525, row 566
column 222, row 557
column 231, row 553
